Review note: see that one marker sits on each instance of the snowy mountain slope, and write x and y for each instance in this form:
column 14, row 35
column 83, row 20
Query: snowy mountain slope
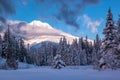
column 37, row 31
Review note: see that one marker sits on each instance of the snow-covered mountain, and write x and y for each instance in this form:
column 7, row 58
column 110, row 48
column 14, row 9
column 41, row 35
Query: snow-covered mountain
column 37, row 31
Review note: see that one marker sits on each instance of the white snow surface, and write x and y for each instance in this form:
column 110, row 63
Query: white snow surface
column 67, row 73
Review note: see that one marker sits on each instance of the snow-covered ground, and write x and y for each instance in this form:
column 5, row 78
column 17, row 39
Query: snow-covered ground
column 68, row 73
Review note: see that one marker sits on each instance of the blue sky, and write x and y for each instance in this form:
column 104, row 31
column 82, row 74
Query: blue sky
column 91, row 18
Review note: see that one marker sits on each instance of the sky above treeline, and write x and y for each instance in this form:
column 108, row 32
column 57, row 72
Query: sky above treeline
column 77, row 17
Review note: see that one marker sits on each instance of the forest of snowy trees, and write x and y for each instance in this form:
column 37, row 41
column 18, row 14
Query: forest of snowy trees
column 101, row 53
column 12, row 49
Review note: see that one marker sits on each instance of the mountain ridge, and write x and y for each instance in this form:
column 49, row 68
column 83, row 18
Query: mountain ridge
column 38, row 31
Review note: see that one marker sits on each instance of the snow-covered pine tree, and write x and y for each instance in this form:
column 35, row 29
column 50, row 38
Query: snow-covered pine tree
column 96, row 49
column 79, row 51
column 108, row 49
column 28, row 56
column 0, row 46
column 74, row 52
column 16, row 47
column 68, row 55
column 83, row 57
column 90, row 49
column 87, row 50
column 82, row 43
column 82, row 52
column 118, row 42
column 49, row 53
column 22, row 50
column 37, row 57
column 43, row 54
column 11, row 62
column 59, row 49
column 62, row 49
column 32, row 56
column 58, row 62
column 118, row 33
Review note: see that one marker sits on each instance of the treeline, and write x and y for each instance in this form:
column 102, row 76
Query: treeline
column 77, row 53
column 101, row 54
column 12, row 49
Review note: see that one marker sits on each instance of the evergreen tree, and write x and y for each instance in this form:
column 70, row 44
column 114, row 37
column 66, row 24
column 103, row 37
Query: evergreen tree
column 22, row 50
column 83, row 57
column 43, row 54
column 16, row 48
column 75, row 53
column 96, row 49
column 68, row 55
column 88, row 51
column 34, row 56
column 118, row 42
column 108, row 49
column 82, row 52
column 118, row 34
column 0, row 46
column 58, row 63
column 49, row 53
column 82, row 43
column 62, row 49
column 10, row 56
column 28, row 55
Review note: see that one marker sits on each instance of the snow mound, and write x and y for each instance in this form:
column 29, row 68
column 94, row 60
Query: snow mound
column 21, row 65
column 25, row 65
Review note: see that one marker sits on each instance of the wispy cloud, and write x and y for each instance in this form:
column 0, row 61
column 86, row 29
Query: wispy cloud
column 92, row 24
column 24, row 2
column 67, row 13
column 7, row 7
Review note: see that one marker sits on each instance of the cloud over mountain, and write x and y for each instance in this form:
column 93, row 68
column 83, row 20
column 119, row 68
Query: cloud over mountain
column 67, row 13
column 37, row 31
